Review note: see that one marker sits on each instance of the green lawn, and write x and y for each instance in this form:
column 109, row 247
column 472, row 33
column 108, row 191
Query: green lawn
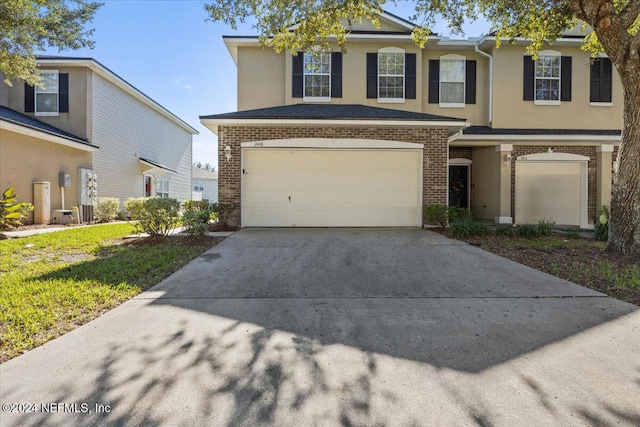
column 51, row 283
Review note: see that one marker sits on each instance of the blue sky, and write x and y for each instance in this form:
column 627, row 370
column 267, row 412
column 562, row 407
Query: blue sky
column 167, row 50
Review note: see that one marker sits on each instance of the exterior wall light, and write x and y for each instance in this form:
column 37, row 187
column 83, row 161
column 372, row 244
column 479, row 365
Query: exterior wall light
column 227, row 153
column 507, row 160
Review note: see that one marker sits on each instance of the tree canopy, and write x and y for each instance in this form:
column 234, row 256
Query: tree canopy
column 28, row 26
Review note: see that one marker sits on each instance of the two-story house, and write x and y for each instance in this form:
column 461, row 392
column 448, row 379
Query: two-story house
column 369, row 136
column 87, row 123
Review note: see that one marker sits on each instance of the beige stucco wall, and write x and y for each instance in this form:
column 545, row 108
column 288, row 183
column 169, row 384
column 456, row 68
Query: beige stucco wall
column 75, row 121
column 22, row 157
column 510, row 111
column 486, row 166
column 261, row 81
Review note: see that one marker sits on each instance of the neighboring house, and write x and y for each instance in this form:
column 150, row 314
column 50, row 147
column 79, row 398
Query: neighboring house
column 88, row 120
column 205, row 184
column 370, row 136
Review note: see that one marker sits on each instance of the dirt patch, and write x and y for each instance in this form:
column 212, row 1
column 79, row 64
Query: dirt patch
column 580, row 261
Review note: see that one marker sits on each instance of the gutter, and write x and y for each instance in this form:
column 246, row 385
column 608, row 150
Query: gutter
column 490, row 58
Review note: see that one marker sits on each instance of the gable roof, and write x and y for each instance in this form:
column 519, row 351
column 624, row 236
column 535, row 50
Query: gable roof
column 330, row 112
column 9, row 116
column 198, row 173
column 338, row 114
column 97, row 67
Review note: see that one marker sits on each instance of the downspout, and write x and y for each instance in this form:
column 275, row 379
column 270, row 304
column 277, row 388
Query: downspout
column 490, row 58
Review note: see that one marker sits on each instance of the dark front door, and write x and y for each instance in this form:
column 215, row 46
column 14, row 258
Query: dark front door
column 459, row 186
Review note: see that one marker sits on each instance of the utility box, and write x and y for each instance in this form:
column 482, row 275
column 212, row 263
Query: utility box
column 61, row 216
column 41, row 202
column 65, row 179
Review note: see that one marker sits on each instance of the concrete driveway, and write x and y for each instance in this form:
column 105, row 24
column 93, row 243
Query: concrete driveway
column 341, row 327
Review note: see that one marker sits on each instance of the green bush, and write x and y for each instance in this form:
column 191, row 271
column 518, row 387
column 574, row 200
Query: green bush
column 196, row 216
column 12, row 213
column 455, row 213
column 135, row 207
column 505, row 230
column 545, row 228
column 529, row 231
column 222, row 212
column 155, row 215
column 601, row 232
column 467, row 228
column 437, row 214
column 106, row 208
column 121, row 215
column 442, row 215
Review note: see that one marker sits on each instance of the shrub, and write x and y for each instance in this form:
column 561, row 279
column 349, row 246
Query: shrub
column 437, row 214
column 121, row 215
column 545, row 228
column 455, row 213
column 12, row 212
column 601, row 232
column 134, row 207
column 467, row 228
column 155, row 215
column 442, row 215
column 106, row 208
column 528, row 231
column 505, row 230
column 222, row 211
column 195, row 217
column 572, row 233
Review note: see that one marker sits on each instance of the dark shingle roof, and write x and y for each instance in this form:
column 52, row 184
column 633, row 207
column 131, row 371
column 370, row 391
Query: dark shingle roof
column 330, row 112
column 485, row 130
column 13, row 116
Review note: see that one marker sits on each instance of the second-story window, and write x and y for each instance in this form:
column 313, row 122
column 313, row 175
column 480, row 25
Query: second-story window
column 547, row 79
column 547, row 87
column 452, row 81
column 46, row 97
column 390, row 74
column 317, row 76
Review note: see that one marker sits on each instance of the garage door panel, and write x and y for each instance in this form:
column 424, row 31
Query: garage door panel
column 331, row 187
column 550, row 191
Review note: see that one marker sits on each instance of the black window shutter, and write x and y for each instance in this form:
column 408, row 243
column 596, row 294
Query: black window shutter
column 336, row 74
column 410, row 76
column 372, row 75
column 297, row 75
column 63, row 93
column 565, row 78
column 434, row 81
column 470, row 83
column 528, row 78
column 601, row 77
column 29, row 99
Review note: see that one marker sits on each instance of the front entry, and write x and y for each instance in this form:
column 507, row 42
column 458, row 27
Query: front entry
column 459, row 186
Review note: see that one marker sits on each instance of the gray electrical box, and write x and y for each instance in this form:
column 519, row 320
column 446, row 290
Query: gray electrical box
column 65, row 179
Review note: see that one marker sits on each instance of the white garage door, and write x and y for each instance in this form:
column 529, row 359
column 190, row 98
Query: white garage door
column 554, row 191
column 287, row 187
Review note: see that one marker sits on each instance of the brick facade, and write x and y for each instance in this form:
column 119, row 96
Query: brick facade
column 582, row 151
column 435, row 154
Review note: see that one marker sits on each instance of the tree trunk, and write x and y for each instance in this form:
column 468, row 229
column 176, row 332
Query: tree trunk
column 624, row 224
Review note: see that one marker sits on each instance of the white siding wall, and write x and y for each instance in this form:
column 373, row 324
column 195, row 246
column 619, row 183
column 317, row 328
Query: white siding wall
column 210, row 190
column 125, row 129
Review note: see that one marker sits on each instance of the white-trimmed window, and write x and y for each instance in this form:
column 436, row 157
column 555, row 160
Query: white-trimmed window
column 317, row 76
column 452, row 81
column 162, row 188
column 391, row 74
column 547, row 78
column 46, row 98
column 198, row 186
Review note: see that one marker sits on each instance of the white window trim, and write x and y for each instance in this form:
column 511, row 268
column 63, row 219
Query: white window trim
column 404, row 76
column 535, row 79
column 601, row 104
column 304, row 81
column 35, row 97
column 464, row 82
column 159, row 183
